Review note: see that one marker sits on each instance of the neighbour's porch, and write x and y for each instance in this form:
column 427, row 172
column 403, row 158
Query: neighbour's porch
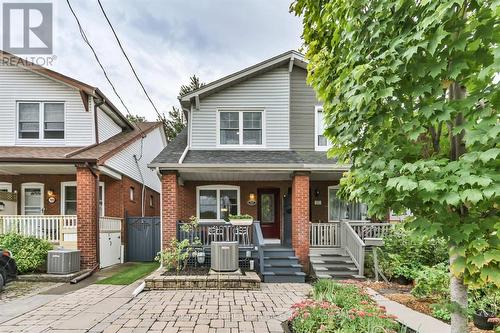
column 64, row 204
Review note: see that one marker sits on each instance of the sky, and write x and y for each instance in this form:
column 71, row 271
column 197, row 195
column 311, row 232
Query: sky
column 168, row 41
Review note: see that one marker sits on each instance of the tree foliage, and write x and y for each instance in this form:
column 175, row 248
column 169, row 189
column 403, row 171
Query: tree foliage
column 135, row 118
column 173, row 124
column 411, row 96
column 194, row 83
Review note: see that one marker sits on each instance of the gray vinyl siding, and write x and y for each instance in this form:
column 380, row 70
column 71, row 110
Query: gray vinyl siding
column 268, row 91
column 302, row 103
column 18, row 84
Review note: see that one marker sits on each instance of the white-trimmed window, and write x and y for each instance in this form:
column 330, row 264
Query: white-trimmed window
column 217, row 202
column 340, row 210
column 40, row 120
column 240, row 128
column 131, row 193
column 320, row 141
column 69, row 200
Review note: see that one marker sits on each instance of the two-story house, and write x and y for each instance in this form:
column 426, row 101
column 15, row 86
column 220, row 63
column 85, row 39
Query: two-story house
column 255, row 145
column 70, row 162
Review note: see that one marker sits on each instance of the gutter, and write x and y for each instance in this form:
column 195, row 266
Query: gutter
column 254, row 167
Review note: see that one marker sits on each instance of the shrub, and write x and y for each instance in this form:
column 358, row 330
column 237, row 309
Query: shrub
column 405, row 255
column 340, row 308
column 432, row 282
column 29, row 252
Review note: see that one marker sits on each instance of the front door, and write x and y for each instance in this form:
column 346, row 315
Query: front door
column 32, row 199
column 269, row 212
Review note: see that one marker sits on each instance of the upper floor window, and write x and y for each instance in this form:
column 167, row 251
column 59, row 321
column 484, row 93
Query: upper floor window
column 240, row 128
column 41, row 120
column 320, row 141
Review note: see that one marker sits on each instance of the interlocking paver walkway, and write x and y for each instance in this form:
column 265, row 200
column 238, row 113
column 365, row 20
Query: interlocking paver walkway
column 111, row 309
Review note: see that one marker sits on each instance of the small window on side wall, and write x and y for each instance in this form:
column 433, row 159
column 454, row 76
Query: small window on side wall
column 151, row 201
column 131, row 193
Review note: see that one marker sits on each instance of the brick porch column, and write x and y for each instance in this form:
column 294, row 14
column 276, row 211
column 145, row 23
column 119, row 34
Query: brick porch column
column 169, row 192
column 300, row 217
column 86, row 210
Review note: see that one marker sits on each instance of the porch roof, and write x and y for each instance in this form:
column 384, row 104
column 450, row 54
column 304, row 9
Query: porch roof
column 96, row 153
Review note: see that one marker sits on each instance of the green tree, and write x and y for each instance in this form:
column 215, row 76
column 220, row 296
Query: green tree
column 173, row 124
column 135, row 118
column 411, row 96
column 194, row 83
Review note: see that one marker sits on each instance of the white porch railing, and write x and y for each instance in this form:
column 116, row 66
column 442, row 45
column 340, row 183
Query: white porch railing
column 353, row 245
column 370, row 230
column 46, row 227
column 324, row 234
column 110, row 224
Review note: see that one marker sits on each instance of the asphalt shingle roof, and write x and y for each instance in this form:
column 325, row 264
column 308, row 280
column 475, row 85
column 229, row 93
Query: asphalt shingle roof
column 172, row 153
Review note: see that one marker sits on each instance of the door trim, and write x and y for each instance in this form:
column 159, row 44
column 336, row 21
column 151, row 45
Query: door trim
column 40, row 186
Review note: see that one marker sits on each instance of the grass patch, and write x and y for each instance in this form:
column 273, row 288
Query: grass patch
column 130, row 273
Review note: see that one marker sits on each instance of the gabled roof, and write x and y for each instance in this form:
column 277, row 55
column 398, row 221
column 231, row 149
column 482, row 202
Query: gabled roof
column 291, row 57
column 84, row 89
column 97, row 153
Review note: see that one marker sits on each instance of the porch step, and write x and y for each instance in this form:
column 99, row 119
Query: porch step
column 333, row 266
column 272, row 277
column 281, row 265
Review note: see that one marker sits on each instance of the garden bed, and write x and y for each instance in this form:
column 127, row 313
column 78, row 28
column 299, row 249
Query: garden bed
column 188, row 271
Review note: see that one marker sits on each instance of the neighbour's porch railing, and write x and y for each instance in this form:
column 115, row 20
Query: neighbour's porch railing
column 110, row 224
column 208, row 232
column 370, row 230
column 46, row 227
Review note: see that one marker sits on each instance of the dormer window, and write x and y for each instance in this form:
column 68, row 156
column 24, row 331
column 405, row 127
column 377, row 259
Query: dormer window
column 240, row 128
column 320, row 141
column 41, row 120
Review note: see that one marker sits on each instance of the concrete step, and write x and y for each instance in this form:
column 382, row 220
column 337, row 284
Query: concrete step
column 281, row 260
column 324, row 275
column 335, row 269
column 324, row 261
column 278, row 252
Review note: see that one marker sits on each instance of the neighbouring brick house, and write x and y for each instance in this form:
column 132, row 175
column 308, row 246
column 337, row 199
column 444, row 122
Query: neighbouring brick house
column 254, row 145
column 71, row 164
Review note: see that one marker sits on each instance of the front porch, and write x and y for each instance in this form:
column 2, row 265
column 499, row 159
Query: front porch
column 296, row 216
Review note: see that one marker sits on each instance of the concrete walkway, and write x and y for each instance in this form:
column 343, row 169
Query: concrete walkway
column 415, row 320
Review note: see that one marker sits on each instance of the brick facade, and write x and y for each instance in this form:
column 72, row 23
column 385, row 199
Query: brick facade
column 300, row 217
column 86, row 185
column 170, row 213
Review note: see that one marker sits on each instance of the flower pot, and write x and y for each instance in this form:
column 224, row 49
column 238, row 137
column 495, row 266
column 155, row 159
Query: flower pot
column 481, row 320
column 402, row 280
column 241, row 222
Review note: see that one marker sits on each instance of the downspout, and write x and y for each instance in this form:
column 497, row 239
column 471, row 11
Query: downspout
column 143, row 191
column 158, row 173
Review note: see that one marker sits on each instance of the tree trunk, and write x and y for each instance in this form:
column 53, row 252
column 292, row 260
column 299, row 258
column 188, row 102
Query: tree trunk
column 458, row 293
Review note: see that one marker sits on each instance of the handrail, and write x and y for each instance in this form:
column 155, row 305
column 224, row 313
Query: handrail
column 371, row 230
column 353, row 244
column 259, row 243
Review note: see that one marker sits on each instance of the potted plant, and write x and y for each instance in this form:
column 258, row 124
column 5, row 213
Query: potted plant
column 486, row 306
column 241, row 219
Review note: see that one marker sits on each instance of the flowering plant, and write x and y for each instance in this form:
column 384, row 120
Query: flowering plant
column 336, row 313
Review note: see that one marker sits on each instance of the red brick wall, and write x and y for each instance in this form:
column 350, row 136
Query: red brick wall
column 134, row 208
column 51, row 182
column 300, row 218
column 170, row 199
column 87, row 216
column 116, row 196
